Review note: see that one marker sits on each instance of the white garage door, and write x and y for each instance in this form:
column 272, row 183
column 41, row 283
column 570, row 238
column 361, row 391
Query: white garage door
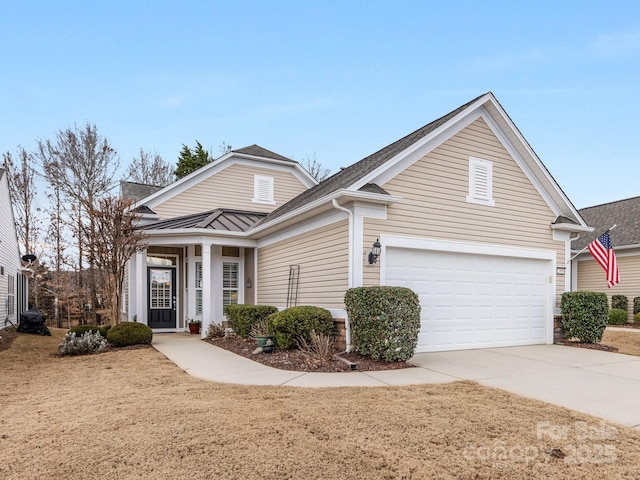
column 474, row 301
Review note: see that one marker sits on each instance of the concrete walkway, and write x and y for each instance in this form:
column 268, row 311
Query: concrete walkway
column 599, row 383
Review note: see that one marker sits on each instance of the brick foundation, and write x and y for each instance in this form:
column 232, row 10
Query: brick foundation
column 340, row 341
column 558, row 333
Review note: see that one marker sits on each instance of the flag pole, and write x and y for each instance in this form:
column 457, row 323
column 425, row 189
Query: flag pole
column 569, row 261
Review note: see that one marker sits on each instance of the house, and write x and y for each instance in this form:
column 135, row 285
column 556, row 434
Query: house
column 13, row 281
column 625, row 237
column 462, row 209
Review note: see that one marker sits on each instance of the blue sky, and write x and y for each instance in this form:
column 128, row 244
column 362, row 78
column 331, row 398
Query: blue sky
column 338, row 79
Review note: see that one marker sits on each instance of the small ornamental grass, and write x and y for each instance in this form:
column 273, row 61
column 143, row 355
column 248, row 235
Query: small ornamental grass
column 85, row 344
column 319, row 347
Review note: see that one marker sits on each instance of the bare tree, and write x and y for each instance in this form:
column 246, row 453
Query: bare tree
column 151, row 169
column 118, row 240
column 23, row 198
column 82, row 165
column 315, row 168
column 224, row 148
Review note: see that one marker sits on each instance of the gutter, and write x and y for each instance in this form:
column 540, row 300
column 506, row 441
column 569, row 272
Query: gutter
column 347, row 324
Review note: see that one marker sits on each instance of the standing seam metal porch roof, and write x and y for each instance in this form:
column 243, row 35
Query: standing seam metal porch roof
column 220, row 219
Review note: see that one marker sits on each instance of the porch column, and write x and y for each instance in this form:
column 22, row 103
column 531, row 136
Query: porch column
column 140, row 294
column 190, row 282
column 207, row 301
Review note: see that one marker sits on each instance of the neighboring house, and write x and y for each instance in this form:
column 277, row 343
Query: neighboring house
column 465, row 213
column 625, row 237
column 13, row 283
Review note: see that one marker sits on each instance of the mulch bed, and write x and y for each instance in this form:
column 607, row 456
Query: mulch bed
column 297, row 360
column 7, row 336
column 590, row 346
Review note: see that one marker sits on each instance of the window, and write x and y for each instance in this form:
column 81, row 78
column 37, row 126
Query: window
column 11, row 297
column 263, row 189
column 230, row 277
column 198, row 288
column 480, row 182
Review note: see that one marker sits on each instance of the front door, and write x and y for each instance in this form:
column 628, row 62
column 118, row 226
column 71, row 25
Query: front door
column 161, row 297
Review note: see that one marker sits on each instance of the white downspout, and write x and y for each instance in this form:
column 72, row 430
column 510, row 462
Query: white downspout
column 347, row 325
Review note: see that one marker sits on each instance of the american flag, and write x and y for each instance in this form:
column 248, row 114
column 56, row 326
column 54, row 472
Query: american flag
column 602, row 251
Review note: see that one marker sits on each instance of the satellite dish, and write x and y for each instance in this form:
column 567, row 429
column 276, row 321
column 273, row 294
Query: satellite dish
column 29, row 258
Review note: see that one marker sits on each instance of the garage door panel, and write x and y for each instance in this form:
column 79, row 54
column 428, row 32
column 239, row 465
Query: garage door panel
column 474, row 301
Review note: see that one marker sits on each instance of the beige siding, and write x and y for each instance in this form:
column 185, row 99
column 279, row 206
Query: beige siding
column 231, row 188
column 591, row 277
column 434, row 191
column 323, row 256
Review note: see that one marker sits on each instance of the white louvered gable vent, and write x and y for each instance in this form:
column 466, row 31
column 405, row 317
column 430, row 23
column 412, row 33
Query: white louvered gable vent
column 480, row 182
column 263, row 189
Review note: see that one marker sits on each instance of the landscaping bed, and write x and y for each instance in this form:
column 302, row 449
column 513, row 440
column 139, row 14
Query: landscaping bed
column 296, row 360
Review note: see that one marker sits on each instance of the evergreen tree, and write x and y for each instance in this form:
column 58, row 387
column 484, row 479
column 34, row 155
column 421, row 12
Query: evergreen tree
column 191, row 160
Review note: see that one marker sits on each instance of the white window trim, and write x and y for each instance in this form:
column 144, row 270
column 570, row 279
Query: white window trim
column 260, row 183
column 478, row 193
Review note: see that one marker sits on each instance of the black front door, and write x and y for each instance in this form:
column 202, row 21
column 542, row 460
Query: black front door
column 161, row 297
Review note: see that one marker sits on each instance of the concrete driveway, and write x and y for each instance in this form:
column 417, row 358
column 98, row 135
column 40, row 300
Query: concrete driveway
column 599, row 383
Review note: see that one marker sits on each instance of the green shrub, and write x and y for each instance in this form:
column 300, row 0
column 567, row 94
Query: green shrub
column 617, row 316
column 636, row 305
column 82, row 344
column 243, row 317
column 296, row 323
column 636, row 318
column 80, row 329
column 619, row 302
column 129, row 333
column 385, row 321
column 584, row 315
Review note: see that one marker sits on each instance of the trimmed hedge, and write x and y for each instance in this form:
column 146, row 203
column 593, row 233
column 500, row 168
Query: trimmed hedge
column 619, row 302
column 295, row 323
column 584, row 315
column 617, row 316
column 385, row 321
column 80, row 329
column 129, row 333
column 243, row 317
column 636, row 305
column 636, row 318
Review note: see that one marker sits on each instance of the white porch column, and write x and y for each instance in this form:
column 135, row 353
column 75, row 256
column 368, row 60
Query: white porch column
column 207, row 303
column 140, row 292
column 190, row 282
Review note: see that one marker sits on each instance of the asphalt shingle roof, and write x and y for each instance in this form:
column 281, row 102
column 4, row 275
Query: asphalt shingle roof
column 258, row 151
column 625, row 214
column 137, row 191
column 349, row 175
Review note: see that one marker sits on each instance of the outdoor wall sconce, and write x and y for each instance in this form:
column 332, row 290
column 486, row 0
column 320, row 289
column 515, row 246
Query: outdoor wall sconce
column 374, row 254
column 249, row 283
column 560, row 270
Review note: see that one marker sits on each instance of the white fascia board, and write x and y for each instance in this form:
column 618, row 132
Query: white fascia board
column 343, row 193
column 568, row 227
column 420, row 148
column 327, row 218
column 494, row 109
column 160, row 237
column 217, row 166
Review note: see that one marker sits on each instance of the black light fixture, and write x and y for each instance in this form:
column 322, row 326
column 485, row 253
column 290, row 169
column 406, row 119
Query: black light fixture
column 374, row 254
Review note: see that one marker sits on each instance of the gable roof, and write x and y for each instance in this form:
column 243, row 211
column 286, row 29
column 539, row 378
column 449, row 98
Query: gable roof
column 361, row 175
column 252, row 153
column 258, row 151
column 136, row 191
column 625, row 214
column 220, row 219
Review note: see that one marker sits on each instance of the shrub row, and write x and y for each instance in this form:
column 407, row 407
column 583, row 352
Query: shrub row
column 85, row 339
column 295, row 324
column 242, row 317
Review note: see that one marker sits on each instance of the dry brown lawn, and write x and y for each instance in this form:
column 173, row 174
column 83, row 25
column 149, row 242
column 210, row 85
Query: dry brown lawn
column 133, row 414
column 625, row 342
